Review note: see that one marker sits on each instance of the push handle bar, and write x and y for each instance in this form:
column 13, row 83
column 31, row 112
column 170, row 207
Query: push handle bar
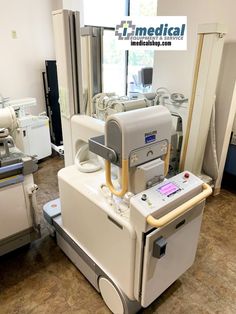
column 124, row 177
column 207, row 190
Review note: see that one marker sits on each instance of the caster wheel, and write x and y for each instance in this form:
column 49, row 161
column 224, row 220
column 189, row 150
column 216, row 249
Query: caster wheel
column 111, row 296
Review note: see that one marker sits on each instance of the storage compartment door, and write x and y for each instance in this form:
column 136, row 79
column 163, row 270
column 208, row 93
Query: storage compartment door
column 169, row 252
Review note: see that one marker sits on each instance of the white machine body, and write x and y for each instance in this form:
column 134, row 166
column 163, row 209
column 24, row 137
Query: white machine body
column 33, row 136
column 21, row 105
column 130, row 246
column 14, row 211
column 180, row 235
column 8, row 119
column 121, row 242
column 83, row 128
column 19, row 216
column 16, row 215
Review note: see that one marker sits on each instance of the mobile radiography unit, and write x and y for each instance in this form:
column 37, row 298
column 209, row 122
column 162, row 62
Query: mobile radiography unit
column 32, row 136
column 134, row 239
column 19, row 215
column 129, row 230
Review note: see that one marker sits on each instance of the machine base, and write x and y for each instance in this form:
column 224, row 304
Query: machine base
column 18, row 240
column 114, row 298
column 160, row 267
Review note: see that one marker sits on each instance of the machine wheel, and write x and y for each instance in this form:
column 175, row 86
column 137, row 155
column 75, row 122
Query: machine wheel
column 111, row 296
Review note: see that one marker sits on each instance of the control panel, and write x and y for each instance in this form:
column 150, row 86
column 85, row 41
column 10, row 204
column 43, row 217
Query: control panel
column 166, row 196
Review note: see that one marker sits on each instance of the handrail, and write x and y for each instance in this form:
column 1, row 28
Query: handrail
column 157, row 223
column 124, row 177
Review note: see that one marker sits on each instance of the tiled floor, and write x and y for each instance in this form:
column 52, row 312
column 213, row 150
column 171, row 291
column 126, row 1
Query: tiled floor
column 42, row 279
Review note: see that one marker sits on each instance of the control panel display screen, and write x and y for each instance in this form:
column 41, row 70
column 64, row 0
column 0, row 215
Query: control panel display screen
column 168, row 189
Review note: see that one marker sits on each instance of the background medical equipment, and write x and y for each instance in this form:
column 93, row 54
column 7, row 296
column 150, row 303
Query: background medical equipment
column 142, row 82
column 3, row 101
column 177, row 104
column 106, row 104
column 134, row 237
column 19, row 216
column 205, row 78
column 32, row 136
column 51, row 93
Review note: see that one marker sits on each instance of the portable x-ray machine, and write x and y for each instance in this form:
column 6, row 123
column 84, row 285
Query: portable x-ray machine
column 19, row 213
column 131, row 232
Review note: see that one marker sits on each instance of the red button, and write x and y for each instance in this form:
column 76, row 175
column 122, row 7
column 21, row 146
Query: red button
column 186, row 175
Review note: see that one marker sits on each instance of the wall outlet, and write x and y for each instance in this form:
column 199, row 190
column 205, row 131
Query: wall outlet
column 14, row 34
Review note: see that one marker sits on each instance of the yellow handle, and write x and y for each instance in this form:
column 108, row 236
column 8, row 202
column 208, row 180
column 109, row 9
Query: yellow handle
column 207, row 190
column 124, row 177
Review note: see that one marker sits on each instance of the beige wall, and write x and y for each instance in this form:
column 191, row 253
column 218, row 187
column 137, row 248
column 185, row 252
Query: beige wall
column 22, row 59
column 174, row 69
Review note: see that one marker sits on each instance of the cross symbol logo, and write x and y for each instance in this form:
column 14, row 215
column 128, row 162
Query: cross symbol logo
column 125, row 30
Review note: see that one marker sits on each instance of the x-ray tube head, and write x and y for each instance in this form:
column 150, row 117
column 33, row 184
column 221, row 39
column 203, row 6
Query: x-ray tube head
column 137, row 137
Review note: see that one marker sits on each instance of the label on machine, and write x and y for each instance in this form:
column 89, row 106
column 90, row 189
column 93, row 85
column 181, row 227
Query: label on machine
column 150, row 138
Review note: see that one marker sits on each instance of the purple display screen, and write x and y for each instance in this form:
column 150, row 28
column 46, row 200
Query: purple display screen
column 168, row 189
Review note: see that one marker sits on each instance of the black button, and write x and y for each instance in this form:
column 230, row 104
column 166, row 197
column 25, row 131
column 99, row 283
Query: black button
column 144, row 197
